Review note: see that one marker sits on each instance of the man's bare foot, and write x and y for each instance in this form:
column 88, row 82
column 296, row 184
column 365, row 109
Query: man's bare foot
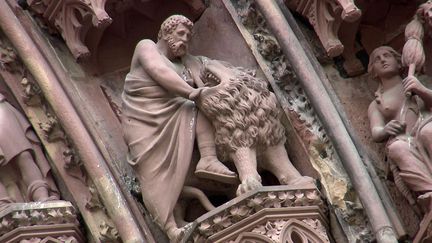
column 211, row 168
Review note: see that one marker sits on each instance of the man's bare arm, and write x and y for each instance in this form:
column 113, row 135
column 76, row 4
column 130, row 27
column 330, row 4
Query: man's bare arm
column 154, row 65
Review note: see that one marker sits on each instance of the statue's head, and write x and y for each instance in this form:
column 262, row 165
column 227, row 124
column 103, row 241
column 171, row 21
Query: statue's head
column 384, row 62
column 176, row 30
column 425, row 12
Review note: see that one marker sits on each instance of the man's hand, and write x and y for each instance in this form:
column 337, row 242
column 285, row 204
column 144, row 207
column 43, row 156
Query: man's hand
column 412, row 84
column 198, row 94
column 394, row 128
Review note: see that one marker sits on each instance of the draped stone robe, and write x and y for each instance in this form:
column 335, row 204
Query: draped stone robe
column 159, row 129
column 17, row 136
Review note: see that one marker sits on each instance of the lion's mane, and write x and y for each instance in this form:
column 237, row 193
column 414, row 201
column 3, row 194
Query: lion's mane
column 244, row 113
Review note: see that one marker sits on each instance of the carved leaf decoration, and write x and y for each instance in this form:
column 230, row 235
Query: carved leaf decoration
column 316, row 224
column 54, row 216
column 238, row 212
column 256, row 203
column 260, row 230
column 21, row 218
column 314, row 197
column 300, row 199
column 108, row 233
column 5, row 225
column 205, row 228
column 37, row 217
column 33, row 240
column 272, row 201
column 272, row 232
column 8, row 58
column 51, row 128
column 222, row 222
column 66, row 239
column 69, row 215
column 32, row 93
column 93, row 202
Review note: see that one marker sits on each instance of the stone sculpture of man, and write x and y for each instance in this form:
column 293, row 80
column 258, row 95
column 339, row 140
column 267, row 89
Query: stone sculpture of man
column 160, row 122
column 20, row 147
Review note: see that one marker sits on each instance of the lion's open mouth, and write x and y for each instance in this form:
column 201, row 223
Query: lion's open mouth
column 209, row 78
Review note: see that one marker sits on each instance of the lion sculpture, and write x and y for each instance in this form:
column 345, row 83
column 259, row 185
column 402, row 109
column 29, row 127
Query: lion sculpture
column 245, row 116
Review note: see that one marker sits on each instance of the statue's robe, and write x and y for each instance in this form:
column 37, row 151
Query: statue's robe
column 13, row 126
column 17, row 136
column 159, row 129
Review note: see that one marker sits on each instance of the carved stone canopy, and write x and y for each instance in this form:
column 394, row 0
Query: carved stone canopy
column 39, row 222
column 269, row 214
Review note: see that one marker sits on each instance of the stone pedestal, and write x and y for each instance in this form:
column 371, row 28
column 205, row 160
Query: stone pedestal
column 39, row 223
column 270, row 214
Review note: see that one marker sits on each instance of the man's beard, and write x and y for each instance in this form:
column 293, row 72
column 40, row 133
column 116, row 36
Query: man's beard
column 177, row 48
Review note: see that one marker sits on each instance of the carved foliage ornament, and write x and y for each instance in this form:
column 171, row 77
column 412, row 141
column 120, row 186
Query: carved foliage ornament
column 300, row 111
column 286, row 231
column 49, row 239
column 263, row 200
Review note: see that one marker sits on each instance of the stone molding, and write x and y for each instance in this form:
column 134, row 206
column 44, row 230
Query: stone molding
column 39, row 222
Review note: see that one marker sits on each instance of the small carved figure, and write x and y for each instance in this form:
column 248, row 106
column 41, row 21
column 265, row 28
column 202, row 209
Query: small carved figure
column 19, row 146
column 245, row 116
column 404, row 122
column 160, row 122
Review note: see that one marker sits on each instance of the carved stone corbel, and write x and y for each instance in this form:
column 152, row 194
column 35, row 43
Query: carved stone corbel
column 323, row 16
column 74, row 20
column 326, row 17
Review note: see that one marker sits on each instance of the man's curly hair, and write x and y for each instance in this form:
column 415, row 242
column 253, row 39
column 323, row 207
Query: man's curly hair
column 171, row 23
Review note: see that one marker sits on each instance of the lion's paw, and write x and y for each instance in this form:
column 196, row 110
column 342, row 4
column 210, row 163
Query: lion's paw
column 248, row 184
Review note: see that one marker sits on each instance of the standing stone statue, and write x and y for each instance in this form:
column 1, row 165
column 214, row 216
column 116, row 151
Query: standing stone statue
column 19, row 147
column 160, row 121
column 403, row 122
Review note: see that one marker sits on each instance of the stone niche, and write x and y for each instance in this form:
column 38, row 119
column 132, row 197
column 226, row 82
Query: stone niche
column 270, row 214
